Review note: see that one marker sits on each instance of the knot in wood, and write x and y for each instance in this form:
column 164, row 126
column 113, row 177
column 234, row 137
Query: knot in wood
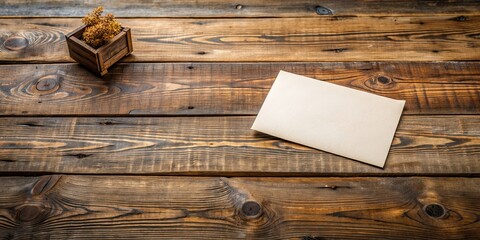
column 435, row 210
column 312, row 238
column 47, row 84
column 239, row 6
column 384, row 80
column 461, row 19
column 15, row 43
column 251, row 209
column 380, row 81
column 30, row 212
column 323, row 10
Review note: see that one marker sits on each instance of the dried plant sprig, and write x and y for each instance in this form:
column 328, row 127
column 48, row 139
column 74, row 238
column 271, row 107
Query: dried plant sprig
column 100, row 29
column 93, row 17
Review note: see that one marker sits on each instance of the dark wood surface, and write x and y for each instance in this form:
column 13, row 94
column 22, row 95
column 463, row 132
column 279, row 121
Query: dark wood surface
column 350, row 38
column 226, row 88
column 105, row 207
column 161, row 147
column 235, row 8
column 223, row 146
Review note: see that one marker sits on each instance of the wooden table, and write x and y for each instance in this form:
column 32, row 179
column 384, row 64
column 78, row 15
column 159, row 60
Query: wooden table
column 161, row 147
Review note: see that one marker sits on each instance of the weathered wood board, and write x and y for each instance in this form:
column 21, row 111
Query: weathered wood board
column 182, row 104
column 225, row 88
column 347, row 38
column 235, row 8
column 223, row 146
column 119, row 207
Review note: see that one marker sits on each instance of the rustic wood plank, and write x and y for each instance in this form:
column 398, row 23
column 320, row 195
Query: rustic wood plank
column 224, row 88
column 423, row 145
column 422, row 38
column 122, row 207
column 235, row 8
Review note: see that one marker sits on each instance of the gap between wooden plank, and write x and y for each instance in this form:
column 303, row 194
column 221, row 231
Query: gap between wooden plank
column 249, row 174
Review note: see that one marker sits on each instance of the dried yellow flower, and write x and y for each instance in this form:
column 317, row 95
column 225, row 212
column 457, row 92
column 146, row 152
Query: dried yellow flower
column 99, row 29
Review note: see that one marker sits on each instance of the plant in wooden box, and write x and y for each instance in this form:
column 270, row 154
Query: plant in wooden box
column 100, row 42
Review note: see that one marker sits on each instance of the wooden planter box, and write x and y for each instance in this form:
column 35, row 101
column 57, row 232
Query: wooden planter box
column 100, row 59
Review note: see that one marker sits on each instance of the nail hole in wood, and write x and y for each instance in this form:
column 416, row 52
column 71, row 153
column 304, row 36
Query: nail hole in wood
column 435, row 210
column 190, row 107
column 251, row 209
column 323, row 10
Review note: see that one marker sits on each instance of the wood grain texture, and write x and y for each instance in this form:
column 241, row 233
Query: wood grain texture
column 235, row 8
column 79, row 207
column 224, row 88
column 423, row 38
column 423, row 145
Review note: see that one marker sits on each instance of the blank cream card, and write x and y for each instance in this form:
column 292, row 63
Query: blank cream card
column 329, row 117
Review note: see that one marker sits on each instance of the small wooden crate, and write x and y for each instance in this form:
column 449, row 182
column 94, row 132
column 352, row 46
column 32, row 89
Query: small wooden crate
column 100, row 59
